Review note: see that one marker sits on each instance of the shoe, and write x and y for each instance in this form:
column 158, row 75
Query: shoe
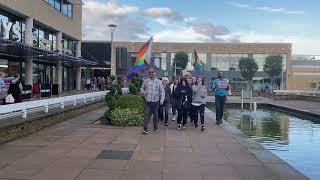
column 220, row 121
column 173, row 118
column 183, row 127
column 179, row 127
column 217, row 123
column 145, row 132
column 156, row 130
column 202, row 128
column 196, row 125
column 166, row 124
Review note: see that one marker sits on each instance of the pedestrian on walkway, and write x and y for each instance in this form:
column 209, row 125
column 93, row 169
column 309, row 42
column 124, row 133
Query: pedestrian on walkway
column 190, row 82
column 153, row 94
column 164, row 108
column 199, row 102
column 3, row 87
column 221, row 87
column 15, row 88
column 174, row 98
column 184, row 93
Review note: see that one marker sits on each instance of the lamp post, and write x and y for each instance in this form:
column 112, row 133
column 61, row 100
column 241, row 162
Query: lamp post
column 112, row 29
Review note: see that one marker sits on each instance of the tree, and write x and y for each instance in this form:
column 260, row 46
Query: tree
column 273, row 67
column 248, row 67
column 180, row 60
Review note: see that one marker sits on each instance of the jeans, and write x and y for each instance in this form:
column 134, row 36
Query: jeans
column 151, row 108
column 182, row 115
column 164, row 111
column 220, row 100
column 199, row 109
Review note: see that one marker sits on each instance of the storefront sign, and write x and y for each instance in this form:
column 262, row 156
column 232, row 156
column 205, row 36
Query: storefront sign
column 45, row 90
column 9, row 30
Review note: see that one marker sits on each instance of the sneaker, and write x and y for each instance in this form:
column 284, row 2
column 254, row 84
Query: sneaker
column 196, row 125
column 202, row 128
column 145, row 132
column 166, row 124
column 173, row 118
column 179, row 127
column 156, row 130
column 217, row 123
column 183, row 127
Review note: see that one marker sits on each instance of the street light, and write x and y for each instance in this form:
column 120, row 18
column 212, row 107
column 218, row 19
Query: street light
column 112, row 29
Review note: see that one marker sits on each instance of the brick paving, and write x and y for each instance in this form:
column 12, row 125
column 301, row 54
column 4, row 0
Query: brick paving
column 69, row 151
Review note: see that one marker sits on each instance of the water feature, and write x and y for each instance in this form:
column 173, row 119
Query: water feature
column 295, row 140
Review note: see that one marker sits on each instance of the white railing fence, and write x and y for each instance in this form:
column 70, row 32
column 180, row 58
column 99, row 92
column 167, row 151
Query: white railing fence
column 46, row 105
column 297, row 92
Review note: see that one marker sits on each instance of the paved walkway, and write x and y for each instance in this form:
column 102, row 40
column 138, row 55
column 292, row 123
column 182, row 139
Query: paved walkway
column 69, row 151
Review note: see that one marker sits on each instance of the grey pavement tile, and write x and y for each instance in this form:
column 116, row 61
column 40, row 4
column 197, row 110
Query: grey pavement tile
column 98, row 174
column 255, row 172
column 57, row 173
column 11, row 172
column 108, row 164
column 266, row 156
column 285, row 171
column 121, row 147
column 115, row 154
column 144, row 166
column 147, row 156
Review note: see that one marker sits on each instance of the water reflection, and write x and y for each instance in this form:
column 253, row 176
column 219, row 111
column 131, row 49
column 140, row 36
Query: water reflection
column 293, row 139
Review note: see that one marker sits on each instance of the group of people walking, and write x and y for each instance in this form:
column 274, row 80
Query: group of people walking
column 186, row 96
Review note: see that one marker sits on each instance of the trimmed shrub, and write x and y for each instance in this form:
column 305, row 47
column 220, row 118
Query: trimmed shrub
column 119, row 91
column 126, row 117
column 130, row 101
column 132, row 89
column 107, row 117
column 111, row 101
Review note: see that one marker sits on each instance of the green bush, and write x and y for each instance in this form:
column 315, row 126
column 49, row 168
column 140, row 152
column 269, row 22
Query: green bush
column 107, row 117
column 111, row 101
column 126, row 117
column 119, row 91
column 132, row 89
column 130, row 101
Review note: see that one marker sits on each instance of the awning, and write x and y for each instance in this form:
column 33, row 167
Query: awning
column 20, row 49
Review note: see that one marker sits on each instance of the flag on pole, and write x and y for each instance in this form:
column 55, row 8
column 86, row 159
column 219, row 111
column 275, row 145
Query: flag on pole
column 198, row 64
column 142, row 60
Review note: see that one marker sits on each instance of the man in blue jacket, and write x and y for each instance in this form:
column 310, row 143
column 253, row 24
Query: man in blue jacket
column 221, row 87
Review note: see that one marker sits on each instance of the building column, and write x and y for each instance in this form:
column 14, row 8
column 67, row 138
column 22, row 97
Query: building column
column 78, row 67
column 113, row 60
column 59, row 64
column 28, row 60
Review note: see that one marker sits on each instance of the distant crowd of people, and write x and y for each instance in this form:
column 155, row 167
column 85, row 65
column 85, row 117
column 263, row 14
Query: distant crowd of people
column 97, row 84
column 186, row 95
column 10, row 89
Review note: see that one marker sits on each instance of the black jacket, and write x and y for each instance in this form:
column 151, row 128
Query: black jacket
column 184, row 96
column 15, row 88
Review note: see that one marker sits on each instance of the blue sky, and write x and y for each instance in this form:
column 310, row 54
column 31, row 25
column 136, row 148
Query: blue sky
column 207, row 21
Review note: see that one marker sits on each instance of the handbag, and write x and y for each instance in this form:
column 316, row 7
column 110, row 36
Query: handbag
column 9, row 99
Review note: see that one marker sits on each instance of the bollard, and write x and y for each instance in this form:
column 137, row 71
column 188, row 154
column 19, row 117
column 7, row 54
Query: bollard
column 46, row 108
column 62, row 105
column 24, row 113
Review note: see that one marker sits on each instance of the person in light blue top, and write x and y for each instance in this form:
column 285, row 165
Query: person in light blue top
column 221, row 87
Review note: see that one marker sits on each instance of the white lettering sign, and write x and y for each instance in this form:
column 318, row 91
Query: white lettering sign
column 11, row 31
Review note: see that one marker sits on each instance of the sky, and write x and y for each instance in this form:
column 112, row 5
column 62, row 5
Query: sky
column 220, row 21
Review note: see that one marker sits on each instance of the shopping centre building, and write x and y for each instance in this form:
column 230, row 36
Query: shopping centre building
column 217, row 57
column 41, row 40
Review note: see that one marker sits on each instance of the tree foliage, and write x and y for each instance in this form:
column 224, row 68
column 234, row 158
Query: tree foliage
column 180, row 60
column 248, row 67
column 273, row 65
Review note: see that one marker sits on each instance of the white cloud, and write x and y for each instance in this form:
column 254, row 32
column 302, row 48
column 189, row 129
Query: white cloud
column 189, row 19
column 157, row 12
column 266, row 8
column 180, row 35
column 111, row 8
column 162, row 21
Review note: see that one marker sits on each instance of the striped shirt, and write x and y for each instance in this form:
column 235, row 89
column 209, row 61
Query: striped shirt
column 154, row 90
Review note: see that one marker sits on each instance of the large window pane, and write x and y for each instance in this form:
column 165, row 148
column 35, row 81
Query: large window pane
column 164, row 61
column 69, row 10
column 51, row 2
column 57, row 5
column 65, row 9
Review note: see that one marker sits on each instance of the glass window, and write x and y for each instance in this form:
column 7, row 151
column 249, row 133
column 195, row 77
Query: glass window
column 65, row 9
column 51, row 3
column 57, row 5
column 234, row 60
column 70, row 10
column 35, row 32
column 220, row 62
column 41, row 39
column 54, row 43
column 190, row 62
column 4, row 66
column 172, row 57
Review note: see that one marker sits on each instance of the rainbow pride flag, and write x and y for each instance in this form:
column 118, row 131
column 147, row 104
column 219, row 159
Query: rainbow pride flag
column 198, row 64
column 142, row 60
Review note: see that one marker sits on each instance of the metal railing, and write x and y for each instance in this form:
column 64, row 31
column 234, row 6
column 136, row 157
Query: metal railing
column 46, row 105
column 297, row 92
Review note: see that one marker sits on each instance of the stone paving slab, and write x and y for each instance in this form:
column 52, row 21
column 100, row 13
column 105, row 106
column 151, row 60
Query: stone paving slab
column 69, row 150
